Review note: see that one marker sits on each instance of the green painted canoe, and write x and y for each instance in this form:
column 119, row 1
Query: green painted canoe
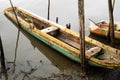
column 65, row 40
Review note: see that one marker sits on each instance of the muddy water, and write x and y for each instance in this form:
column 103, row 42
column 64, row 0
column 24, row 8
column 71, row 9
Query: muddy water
column 29, row 59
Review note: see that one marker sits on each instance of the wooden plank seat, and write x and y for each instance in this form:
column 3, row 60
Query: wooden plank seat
column 49, row 29
column 93, row 51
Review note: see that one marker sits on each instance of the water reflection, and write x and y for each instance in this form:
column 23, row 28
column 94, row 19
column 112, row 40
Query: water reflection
column 55, row 57
column 112, row 74
column 16, row 48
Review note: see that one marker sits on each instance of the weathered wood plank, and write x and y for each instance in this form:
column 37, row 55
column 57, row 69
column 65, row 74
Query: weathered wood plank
column 93, row 51
column 49, row 29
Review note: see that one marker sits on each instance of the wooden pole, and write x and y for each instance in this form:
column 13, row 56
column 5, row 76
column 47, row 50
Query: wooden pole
column 3, row 66
column 2, row 56
column 113, row 4
column 15, row 14
column 69, row 26
column 56, row 19
column 111, row 23
column 48, row 10
column 82, row 35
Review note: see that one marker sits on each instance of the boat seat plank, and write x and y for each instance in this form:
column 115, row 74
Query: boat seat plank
column 93, row 51
column 49, row 29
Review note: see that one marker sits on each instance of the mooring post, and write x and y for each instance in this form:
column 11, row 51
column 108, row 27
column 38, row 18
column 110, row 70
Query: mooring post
column 3, row 66
column 82, row 35
column 113, row 4
column 15, row 14
column 56, row 19
column 69, row 25
column 111, row 22
column 2, row 56
column 48, row 10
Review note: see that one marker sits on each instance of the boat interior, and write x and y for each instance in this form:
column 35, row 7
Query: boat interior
column 51, row 30
column 105, row 25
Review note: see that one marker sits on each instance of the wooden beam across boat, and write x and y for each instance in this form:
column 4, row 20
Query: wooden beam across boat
column 98, row 53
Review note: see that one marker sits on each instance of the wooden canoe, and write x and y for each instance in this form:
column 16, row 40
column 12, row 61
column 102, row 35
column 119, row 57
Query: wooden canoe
column 65, row 40
column 101, row 29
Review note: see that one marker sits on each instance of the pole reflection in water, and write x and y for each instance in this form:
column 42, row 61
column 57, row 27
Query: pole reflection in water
column 16, row 49
column 3, row 66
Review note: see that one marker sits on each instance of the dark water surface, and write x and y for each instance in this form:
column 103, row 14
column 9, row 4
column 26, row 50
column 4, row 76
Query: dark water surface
column 29, row 59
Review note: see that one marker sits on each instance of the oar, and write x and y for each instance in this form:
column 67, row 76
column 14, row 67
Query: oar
column 15, row 14
column 93, row 22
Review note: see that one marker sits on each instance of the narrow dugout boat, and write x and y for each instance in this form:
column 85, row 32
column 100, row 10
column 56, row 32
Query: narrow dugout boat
column 65, row 40
column 101, row 29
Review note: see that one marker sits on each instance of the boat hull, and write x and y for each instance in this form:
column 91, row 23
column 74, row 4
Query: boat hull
column 61, row 47
column 102, row 30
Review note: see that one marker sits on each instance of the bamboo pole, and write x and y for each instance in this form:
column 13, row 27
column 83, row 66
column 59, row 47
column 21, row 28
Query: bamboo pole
column 82, row 35
column 15, row 14
column 48, row 10
column 111, row 23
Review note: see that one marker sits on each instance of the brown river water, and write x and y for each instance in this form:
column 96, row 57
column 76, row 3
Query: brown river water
column 26, row 58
